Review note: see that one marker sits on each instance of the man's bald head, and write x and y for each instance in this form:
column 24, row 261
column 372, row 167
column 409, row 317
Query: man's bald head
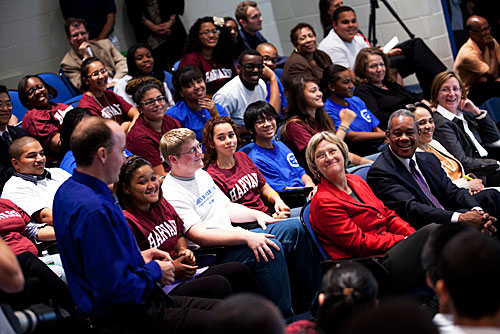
column 17, row 146
column 479, row 30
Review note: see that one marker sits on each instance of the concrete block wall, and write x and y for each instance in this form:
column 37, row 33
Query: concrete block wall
column 32, row 38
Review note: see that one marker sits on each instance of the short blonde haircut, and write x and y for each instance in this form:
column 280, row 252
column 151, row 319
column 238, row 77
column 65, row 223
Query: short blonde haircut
column 172, row 141
column 439, row 80
column 313, row 145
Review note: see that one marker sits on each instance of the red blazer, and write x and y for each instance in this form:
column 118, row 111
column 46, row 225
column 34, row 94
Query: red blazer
column 347, row 228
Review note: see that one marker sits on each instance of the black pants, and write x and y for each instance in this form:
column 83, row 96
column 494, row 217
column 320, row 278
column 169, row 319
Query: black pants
column 403, row 260
column 41, row 286
column 219, row 281
column 480, row 92
column 159, row 314
column 419, row 59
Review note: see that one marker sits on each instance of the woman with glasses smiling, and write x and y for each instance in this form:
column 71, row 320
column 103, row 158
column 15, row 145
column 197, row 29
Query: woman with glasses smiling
column 466, row 131
column 44, row 118
column 144, row 137
column 351, row 221
column 99, row 100
column 210, row 48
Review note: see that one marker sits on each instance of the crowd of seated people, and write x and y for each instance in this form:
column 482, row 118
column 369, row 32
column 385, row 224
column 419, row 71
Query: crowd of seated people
column 138, row 202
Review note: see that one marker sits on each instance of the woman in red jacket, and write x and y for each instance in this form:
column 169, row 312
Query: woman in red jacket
column 351, row 222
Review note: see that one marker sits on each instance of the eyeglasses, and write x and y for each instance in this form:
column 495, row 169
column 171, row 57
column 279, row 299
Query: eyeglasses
column 33, row 90
column 95, row 74
column 322, row 155
column 193, row 149
column 210, row 32
column 448, row 90
column 482, row 29
column 251, row 67
column 274, row 59
column 6, row 105
column 150, row 102
column 262, row 121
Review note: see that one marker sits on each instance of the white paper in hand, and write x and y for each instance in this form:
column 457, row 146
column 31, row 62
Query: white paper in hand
column 392, row 43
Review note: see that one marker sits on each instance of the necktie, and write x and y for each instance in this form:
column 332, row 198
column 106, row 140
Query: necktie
column 423, row 185
column 6, row 137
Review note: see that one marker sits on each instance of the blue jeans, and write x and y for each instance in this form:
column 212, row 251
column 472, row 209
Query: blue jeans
column 272, row 275
column 302, row 261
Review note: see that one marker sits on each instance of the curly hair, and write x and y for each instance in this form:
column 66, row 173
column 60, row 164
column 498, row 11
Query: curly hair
column 362, row 62
column 293, row 33
column 139, row 86
column 208, row 137
column 222, row 52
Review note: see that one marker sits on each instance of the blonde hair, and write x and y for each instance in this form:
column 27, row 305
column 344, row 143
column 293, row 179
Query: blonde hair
column 439, row 80
column 172, row 141
column 313, row 145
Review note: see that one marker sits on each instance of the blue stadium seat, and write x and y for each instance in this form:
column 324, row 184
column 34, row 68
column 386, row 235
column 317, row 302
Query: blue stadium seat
column 168, row 81
column 176, row 66
column 247, row 148
column 64, row 93
column 74, row 101
column 362, row 171
column 68, row 83
column 17, row 108
column 306, row 223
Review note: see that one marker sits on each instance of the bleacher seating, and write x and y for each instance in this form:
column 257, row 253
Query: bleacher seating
column 17, row 108
column 74, row 101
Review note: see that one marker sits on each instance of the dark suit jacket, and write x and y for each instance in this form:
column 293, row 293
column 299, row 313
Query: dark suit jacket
column 6, row 169
column 394, row 185
column 452, row 136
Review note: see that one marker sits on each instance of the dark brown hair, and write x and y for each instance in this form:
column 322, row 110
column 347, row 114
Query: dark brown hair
column 208, row 137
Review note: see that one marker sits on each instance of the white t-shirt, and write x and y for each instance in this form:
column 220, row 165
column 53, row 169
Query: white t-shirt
column 198, row 201
column 235, row 98
column 121, row 84
column 342, row 53
column 33, row 197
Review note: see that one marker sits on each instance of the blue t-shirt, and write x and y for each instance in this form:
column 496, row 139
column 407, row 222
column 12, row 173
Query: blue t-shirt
column 365, row 120
column 282, row 95
column 102, row 262
column 191, row 119
column 278, row 165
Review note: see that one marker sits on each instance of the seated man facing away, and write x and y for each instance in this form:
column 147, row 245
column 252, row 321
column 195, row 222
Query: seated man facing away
column 207, row 214
column 8, row 133
column 32, row 187
column 478, row 61
column 418, row 189
column 247, row 87
column 112, row 283
column 471, row 257
column 81, row 49
column 275, row 160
